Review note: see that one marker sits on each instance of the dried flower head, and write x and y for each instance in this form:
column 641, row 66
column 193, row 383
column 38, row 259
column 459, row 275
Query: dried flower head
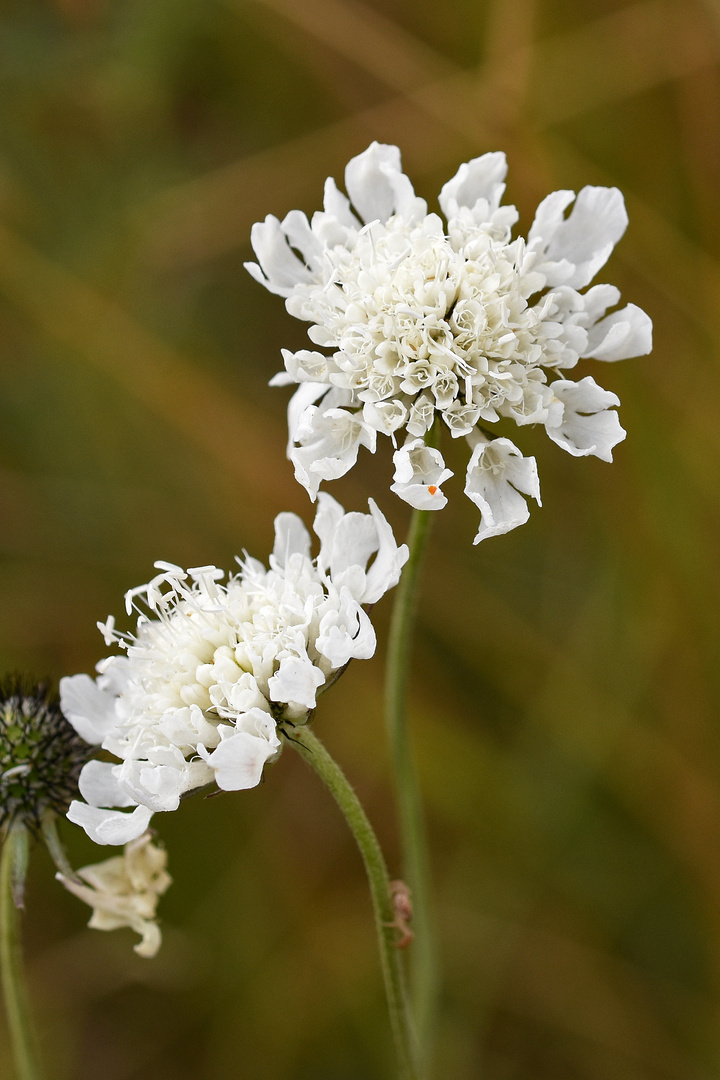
column 41, row 755
column 124, row 891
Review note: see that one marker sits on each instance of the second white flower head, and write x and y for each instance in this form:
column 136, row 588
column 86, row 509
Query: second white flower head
column 214, row 667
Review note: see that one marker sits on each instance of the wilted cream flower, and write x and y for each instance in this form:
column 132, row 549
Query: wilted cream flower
column 213, row 670
column 422, row 321
column 124, row 891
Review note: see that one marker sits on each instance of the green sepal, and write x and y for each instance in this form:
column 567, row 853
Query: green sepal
column 18, row 838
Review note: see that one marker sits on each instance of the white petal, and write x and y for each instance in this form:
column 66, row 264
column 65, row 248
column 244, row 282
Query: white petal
column 305, row 365
column 597, row 300
column 328, row 516
column 257, row 722
column 585, row 238
column 239, row 759
column 296, row 681
column 549, row 215
column 329, row 445
column 354, row 542
column 283, row 378
column 338, row 205
column 588, row 425
column 384, row 416
column 90, row 710
column 110, row 826
column 151, row 939
column 378, row 188
column 477, row 181
column 304, row 397
column 421, row 496
column 291, row 538
column 385, row 571
column 621, row 335
column 419, row 473
column 300, row 236
column 346, row 633
column 99, row 785
column 280, row 269
column 497, row 474
column 161, row 786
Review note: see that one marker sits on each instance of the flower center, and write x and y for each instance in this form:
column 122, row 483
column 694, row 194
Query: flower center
column 410, row 315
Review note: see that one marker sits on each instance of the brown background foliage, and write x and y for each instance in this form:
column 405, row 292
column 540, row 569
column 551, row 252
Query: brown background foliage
column 565, row 693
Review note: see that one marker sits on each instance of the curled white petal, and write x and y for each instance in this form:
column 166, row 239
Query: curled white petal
column 419, row 473
column 385, row 570
column 305, row 365
column 110, row 826
column 477, row 185
column 348, row 544
column 159, row 780
column 585, row 238
column 304, row 398
column 296, row 682
column 498, row 476
column 384, row 416
column 346, row 633
column 238, row 761
column 377, row 186
column 597, row 300
column 329, row 441
column 353, row 542
column 280, row 269
column 337, row 205
column 99, row 785
column 549, row 216
column 620, row 335
column 588, row 425
column 90, row 710
column 291, row 538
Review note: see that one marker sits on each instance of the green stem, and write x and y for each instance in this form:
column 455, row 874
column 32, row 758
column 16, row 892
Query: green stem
column 22, row 1036
column 423, row 982
column 312, row 750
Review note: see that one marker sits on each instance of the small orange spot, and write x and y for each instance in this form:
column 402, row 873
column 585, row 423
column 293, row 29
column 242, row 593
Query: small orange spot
column 432, row 489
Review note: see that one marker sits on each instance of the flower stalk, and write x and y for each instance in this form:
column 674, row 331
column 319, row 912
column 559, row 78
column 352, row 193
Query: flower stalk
column 13, row 863
column 423, row 974
column 307, row 744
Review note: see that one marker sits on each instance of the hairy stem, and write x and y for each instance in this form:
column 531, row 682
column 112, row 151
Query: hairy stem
column 423, row 973
column 307, row 744
column 13, row 862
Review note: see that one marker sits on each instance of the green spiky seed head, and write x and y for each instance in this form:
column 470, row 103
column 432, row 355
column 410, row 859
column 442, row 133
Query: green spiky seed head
column 40, row 754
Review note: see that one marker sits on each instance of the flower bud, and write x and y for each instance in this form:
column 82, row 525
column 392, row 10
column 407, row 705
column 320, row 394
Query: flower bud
column 41, row 755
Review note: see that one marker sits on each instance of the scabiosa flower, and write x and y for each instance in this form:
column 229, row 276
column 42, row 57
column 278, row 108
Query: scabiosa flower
column 420, row 321
column 214, row 671
column 124, row 891
column 41, row 755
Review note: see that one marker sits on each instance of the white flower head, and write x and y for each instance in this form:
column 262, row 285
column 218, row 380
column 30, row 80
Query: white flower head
column 216, row 667
column 124, row 891
column 422, row 320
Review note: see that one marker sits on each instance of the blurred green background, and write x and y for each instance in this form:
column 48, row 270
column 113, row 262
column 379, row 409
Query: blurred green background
column 565, row 694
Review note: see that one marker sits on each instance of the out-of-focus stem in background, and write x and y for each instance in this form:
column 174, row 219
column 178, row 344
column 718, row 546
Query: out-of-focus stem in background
column 424, row 967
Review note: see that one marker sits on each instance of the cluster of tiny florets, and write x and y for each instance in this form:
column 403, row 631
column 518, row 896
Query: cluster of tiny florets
column 424, row 323
column 41, row 754
column 421, row 328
